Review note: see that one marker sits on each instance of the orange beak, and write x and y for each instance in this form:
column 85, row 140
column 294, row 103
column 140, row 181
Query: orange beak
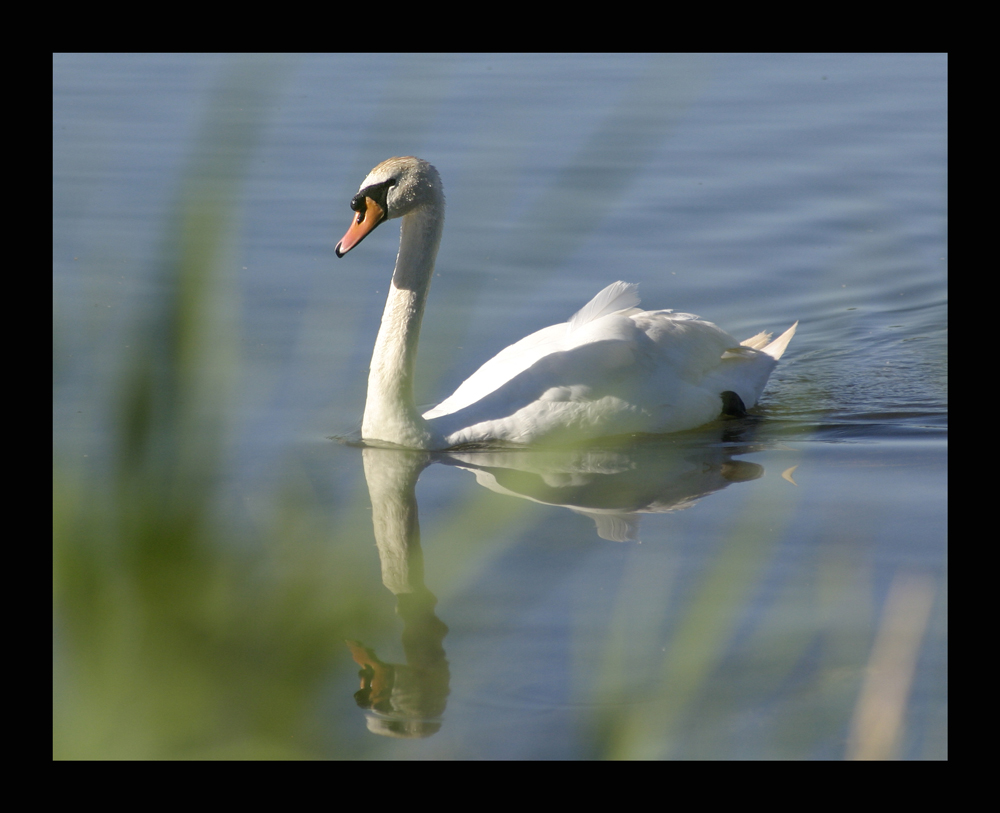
column 364, row 223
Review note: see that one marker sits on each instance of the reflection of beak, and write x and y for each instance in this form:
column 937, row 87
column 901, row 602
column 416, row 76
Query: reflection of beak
column 363, row 224
column 376, row 675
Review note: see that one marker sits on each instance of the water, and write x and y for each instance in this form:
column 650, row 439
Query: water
column 673, row 598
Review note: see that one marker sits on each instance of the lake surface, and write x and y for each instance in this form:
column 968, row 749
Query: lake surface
column 227, row 562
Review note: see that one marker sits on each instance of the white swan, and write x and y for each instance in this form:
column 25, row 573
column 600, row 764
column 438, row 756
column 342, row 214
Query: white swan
column 611, row 369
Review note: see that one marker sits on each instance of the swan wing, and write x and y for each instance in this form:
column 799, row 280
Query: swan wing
column 617, row 296
column 518, row 357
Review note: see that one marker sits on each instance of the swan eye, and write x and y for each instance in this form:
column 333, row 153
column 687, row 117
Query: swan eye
column 377, row 192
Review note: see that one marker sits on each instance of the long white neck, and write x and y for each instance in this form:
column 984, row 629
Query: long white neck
column 390, row 412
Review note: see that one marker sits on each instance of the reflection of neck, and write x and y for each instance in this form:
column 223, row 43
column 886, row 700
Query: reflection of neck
column 390, row 412
column 409, row 698
column 392, row 478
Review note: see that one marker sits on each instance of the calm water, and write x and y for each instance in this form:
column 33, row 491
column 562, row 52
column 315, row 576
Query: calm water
column 759, row 589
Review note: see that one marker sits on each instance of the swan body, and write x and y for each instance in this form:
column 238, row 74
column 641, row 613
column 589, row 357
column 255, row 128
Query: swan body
column 611, row 369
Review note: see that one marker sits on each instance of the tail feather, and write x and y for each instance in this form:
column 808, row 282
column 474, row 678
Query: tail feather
column 757, row 342
column 776, row 348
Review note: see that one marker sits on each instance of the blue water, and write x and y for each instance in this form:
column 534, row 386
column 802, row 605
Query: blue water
column 739, row 618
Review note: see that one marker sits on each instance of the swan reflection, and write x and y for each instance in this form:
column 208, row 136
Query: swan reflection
column 402, row 700
column 611, row 486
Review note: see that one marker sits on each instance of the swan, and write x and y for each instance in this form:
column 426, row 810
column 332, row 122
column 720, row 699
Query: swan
column 612, row 369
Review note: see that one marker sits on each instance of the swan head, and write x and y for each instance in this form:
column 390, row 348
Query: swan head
column 395, row 188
